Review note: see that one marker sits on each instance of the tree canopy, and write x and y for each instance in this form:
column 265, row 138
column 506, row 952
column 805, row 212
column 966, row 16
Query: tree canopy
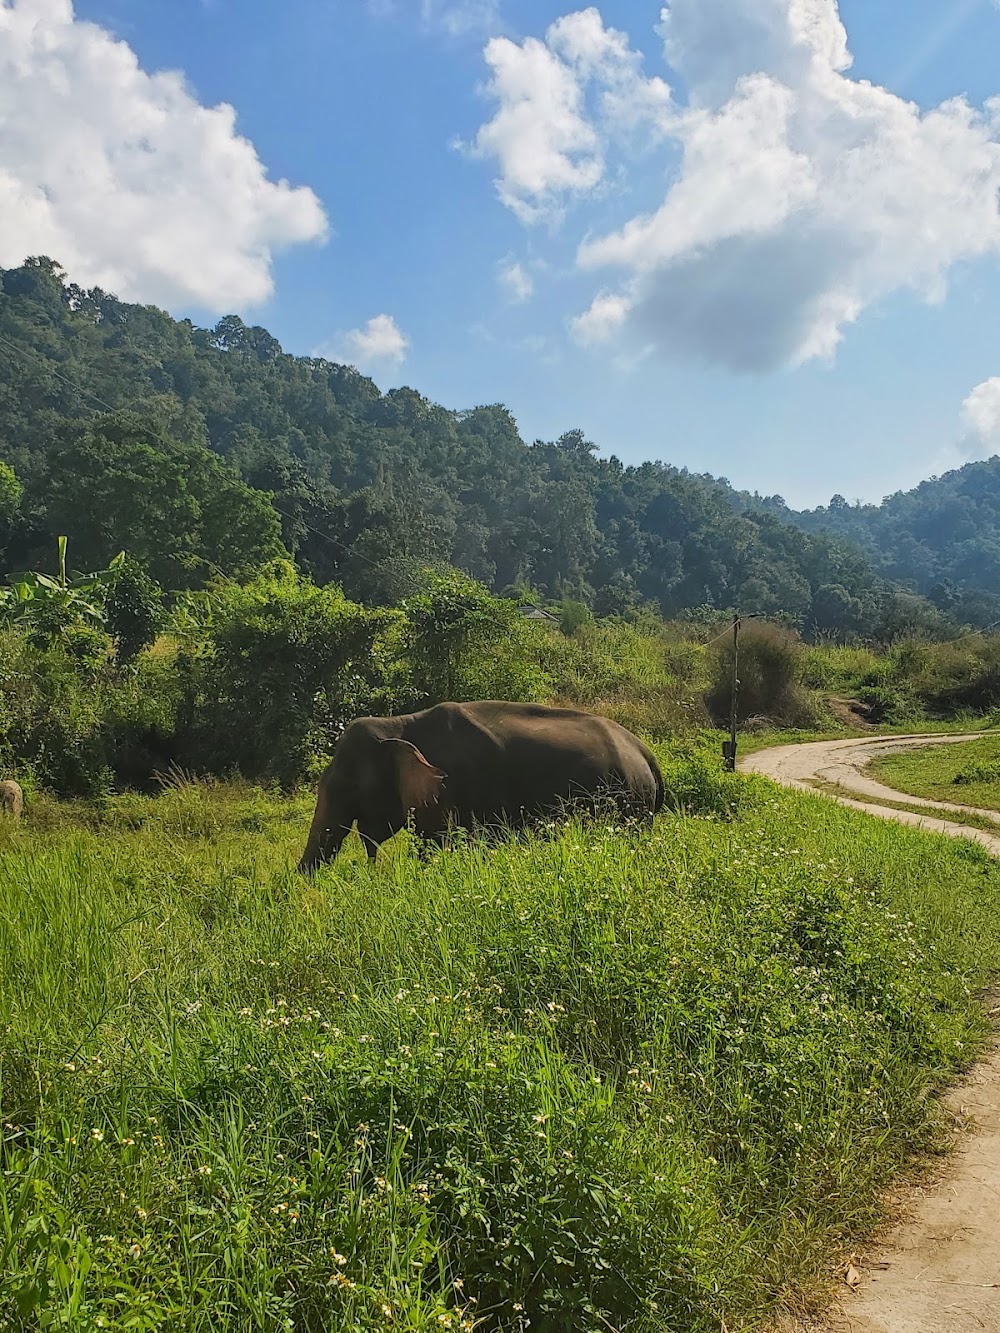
column 207, row 451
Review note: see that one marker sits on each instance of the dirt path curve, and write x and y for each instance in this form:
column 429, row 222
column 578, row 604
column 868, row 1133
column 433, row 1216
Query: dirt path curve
column 938, row 1271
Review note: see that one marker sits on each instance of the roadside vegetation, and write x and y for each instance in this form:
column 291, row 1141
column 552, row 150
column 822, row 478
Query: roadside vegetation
column 587, row 1079
column 107, row 682
column 967, row 773
column 577, row 1081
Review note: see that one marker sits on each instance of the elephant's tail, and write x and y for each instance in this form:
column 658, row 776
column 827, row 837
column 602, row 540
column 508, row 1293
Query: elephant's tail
column 661, row 791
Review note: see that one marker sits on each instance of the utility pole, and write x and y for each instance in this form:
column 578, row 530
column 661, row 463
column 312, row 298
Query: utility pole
column 729, row 747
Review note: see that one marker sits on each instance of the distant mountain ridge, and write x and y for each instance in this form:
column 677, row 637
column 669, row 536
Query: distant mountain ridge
column 940, row 539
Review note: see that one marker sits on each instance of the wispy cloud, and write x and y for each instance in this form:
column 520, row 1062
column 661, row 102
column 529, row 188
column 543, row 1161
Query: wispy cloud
column 461, row 17
column 516, row 280
column 457, row 18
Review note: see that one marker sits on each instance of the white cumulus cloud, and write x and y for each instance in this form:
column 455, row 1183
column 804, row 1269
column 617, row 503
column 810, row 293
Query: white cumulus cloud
column 795, row 197
column 125, row 179
column 517, row 281
column 380, row 343
column 559, row 99
column 981, row 415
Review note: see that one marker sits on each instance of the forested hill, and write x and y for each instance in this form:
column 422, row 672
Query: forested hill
column 942, row 538
column 203, row 451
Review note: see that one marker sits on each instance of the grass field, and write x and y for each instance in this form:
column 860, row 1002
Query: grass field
column 578, row 1082
column 966, row 818
column 966, row 773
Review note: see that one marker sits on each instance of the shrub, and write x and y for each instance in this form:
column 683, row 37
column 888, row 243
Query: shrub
column 133, row 611
column 962, row 676
column 771, row 661
column 828, row 666
column 572, row 615
column 464, row 643
column 283, row 666
column 633, row 673
column 70, row 722
column 11, row 494
column 973, row 774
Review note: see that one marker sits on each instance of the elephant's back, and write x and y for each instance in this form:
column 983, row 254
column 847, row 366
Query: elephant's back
column 503, row 758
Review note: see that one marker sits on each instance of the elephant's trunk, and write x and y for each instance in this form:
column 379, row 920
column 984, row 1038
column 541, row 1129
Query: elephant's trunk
column 327, row 832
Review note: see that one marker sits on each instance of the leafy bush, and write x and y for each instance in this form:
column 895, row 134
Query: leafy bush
column 964, row 675
column 572, row 615
column 464, row 643
column 973, row 774
column 891, row 703
column 283, row 666
column 696, row 784
column 133, row 611
column 69, row 722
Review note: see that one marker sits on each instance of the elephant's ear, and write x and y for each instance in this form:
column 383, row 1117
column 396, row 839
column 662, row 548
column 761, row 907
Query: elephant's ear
column 419, row 782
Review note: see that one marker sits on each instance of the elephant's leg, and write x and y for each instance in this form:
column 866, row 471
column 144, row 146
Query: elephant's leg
column 373, row 837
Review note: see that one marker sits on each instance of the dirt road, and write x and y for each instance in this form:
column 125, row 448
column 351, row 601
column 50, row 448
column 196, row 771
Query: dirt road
column 938, row 1271
column 823, row 765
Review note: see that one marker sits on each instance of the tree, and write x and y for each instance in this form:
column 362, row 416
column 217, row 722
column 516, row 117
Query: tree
column 464, row 643
column 11, row 494
column 134, row 611
column 835, row 611
column 369, row 487
column 176, row 508
column 285, row 665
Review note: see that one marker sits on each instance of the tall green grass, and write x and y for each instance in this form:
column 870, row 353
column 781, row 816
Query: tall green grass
column 650, row 677
column 583, row 1080
column 967, row 773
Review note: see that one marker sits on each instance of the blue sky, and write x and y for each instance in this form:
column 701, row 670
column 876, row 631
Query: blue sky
column 803, row 311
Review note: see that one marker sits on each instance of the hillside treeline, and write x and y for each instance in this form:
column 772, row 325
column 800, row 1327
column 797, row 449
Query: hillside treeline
column 210, row 451
column 942, row 539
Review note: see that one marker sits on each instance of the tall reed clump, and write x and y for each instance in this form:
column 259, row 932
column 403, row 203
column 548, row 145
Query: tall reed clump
column 771, row 666
column 647, row 676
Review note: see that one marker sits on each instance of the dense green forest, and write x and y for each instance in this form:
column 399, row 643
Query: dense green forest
column 211, row 451
column 942, row 539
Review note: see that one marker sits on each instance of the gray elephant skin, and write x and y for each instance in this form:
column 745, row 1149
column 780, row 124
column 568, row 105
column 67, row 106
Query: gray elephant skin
column 489, row 764
column 11, row 799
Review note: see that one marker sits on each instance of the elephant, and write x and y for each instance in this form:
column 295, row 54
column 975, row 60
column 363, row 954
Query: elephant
column 11, row 799
column 489, row 764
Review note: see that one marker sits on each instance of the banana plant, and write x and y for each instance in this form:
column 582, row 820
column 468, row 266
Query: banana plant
column 35, row 597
